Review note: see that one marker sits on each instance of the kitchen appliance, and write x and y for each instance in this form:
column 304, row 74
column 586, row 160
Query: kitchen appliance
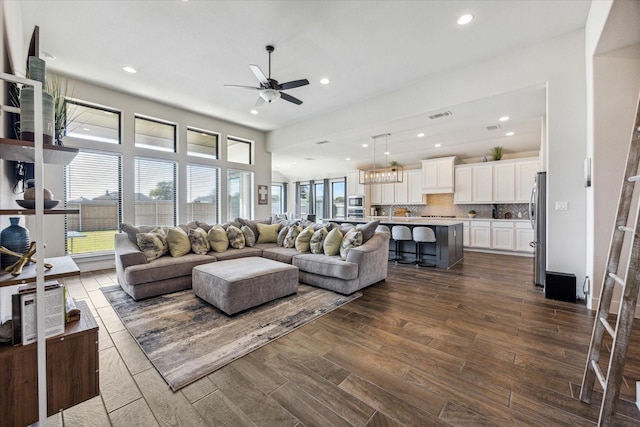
column 355, row 207
column 538, row 215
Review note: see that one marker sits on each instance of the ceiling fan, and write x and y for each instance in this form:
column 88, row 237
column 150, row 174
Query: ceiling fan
column 270, row 89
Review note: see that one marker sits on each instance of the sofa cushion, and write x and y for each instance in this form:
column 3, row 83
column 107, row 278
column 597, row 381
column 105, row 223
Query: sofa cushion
column 280, row 254
column 206, row 227
column 132, row 230
column 218, row 239
column 368, row 229
column 282, row 234
column 315, row 244
column 164, row 268
column 178, row 242
column 331, row 244
column 236, row 238
column 303, row 239
column 268, row 233
column 350, row 240
column 249, row 236
column 323, row 265
column 292, row 235
column 198, row 239
column 233, row 253
column 153, row 245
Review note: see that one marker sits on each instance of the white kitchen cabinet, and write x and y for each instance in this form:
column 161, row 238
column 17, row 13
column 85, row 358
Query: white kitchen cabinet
column 437, row 175
column 482, row 183
column 401, row 190
column 465, row 234
column 504, row 182
column 502, row 235
column 525, row 176
column 354, row 188
column 524, row 236
column 387, row 194
column 480, row 234
column 375, row 194
column 414, row 186
column 464, row 185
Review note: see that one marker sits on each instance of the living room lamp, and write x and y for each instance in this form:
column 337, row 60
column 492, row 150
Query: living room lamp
column 386, row 175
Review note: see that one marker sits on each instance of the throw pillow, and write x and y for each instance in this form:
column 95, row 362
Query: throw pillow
column 281, row 235
column 331, row 244
column 249, row 237
column 315, row 244
column 350, row 240
column 292, row 235
column 178, row 242
column 153, row 245
column 368, row 229
column 218, row 239
column 253, row 225
column 303, row 239
column 268, row 233
column 199, row 243
column 206, row 227
column 133, row 230
column 236, row 238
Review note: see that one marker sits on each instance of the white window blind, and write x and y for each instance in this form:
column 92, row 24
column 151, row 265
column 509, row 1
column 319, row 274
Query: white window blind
column 155, row 192
column 202, row 193
column 93, row 186
column 240, row 193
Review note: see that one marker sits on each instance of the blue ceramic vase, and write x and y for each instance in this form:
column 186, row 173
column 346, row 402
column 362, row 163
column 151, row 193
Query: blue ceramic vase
column 15, row 238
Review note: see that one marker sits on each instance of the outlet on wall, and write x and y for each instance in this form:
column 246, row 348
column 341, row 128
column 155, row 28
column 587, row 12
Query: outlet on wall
column 562, row 206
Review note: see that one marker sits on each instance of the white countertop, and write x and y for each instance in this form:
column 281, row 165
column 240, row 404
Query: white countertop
column 421, row 220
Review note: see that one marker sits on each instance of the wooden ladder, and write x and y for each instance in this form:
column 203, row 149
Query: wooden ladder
column 630, row 284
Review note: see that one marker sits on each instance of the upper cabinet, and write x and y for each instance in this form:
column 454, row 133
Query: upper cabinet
column 354, row 188
column 408, row 192
column 504, row 181
column 437, row 175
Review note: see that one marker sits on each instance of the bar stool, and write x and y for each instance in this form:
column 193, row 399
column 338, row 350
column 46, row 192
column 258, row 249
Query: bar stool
column 422, row 235
column 400, row 233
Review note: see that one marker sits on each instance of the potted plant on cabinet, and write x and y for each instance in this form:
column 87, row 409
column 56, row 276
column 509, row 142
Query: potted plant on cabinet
column 496, row 153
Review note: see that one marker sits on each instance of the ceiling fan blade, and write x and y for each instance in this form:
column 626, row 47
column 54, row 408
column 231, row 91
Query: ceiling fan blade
column 259, row 75
column 290, row 98
column 244, row 87
column 260, row 101
column 292, row 84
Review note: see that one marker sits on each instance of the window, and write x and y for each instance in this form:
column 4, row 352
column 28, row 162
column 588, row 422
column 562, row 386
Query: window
column 92, row 123
column 155, row 135
column 93, row 186
column 238, row 151
column 337, row 199
column 303, row 199
column 202, row 143
column 155, row 192
column 319, row 200
column 278, row 198
column 202, row 194
column 240, row 193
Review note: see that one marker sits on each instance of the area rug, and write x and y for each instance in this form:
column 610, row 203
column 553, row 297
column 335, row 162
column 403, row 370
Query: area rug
column 186, row 338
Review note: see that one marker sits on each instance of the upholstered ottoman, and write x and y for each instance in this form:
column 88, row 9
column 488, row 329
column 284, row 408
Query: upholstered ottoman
column 238, row 284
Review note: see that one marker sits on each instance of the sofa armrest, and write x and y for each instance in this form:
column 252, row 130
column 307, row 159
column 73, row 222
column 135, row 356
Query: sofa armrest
column 373, row 250
column 127, row 252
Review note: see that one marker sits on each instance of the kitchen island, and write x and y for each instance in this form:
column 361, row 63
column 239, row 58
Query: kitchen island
column 445, row 252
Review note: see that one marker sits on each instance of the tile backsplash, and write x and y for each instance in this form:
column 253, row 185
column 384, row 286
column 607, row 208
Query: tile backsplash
column 442, row 205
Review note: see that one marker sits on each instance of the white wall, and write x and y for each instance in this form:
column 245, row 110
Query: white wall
column 559, row 65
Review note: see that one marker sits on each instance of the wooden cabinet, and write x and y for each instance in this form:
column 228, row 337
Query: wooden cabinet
column 482, row 184
column 72, row 372
column 437, row 175
column 480, row 234
column 502, row 236
column 524, row 236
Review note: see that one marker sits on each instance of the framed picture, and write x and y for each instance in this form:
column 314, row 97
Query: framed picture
column 263, row 193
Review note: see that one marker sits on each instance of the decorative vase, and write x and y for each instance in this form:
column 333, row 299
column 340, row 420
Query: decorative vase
column 37, row 71
column 15, row 238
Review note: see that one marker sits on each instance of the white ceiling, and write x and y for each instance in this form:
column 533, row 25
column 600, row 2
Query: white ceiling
column 186, row 51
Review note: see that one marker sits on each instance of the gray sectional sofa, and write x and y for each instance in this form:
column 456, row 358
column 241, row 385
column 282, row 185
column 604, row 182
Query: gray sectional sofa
column 364, row 265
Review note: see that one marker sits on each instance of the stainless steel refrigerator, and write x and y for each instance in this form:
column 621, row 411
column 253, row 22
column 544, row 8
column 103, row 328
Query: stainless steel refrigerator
column 538, row 215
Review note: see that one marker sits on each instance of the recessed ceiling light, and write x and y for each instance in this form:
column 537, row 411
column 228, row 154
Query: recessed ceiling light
column 365, row 145
column 465, row 19
column 421, row 135
column 504, row 118
column 386, row 153
column 438, row 145
column 348, row 158
column 86, row 129
column 129, row 69
column 510, row 133
column 254, row 111
column 324, row 81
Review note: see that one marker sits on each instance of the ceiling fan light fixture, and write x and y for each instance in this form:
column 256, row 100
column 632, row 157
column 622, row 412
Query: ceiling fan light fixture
column 269, row 95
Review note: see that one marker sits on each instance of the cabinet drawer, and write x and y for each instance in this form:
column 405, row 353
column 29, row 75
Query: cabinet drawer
column 502, row 224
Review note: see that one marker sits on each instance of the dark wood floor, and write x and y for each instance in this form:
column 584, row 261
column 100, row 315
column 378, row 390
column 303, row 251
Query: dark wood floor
column 474, row 345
